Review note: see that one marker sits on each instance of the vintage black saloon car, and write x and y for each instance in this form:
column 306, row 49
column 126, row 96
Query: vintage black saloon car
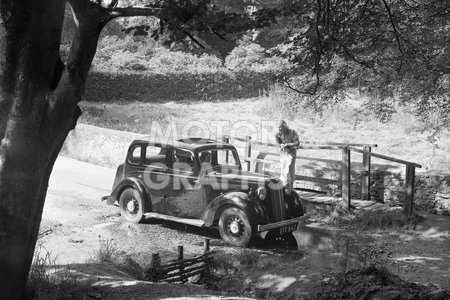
column 201, row 182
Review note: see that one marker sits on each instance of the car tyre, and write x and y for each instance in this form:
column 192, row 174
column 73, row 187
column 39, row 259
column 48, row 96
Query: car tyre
column 235, row 227
column 131, row 206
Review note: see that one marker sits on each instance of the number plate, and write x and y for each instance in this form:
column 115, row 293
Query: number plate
column 288, row 229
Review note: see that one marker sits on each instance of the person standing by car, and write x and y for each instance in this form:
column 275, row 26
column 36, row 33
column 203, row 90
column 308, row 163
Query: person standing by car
column 288, row 140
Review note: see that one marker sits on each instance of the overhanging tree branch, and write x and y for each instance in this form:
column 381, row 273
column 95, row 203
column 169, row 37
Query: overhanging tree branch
column 312, row 92
column 351, row 55
column 194, row 39
column 394, row 28
column 117, row 12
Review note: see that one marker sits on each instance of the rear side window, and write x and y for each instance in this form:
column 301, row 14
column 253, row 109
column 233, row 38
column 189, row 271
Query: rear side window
column 155, row 156
column 134, row 155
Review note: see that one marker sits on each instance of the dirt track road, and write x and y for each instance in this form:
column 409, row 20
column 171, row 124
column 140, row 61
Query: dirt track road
column 74, row 219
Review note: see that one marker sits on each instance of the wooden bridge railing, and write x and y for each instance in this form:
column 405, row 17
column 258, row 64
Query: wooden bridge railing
column 409, row 175
column 345, row 164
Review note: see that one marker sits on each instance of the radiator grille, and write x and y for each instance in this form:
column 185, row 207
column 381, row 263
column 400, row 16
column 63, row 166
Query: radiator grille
column 276, row 193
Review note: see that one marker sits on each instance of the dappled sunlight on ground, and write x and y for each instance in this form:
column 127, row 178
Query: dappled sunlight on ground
column 276, row 282
column 421, row 255
column 118, row 283
column 435, row 233
column 74, row 217
column 416, row 259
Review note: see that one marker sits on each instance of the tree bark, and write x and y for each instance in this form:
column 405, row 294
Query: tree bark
column 38, row 108
column 39, row 97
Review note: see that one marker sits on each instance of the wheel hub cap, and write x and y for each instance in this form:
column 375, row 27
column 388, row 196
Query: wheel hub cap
column 131, row 205
column 234, row 227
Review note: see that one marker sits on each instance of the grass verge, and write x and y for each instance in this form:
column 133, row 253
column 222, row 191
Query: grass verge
column 400, row 138
column 110, row 253
column 48, row 280
column 372, row 220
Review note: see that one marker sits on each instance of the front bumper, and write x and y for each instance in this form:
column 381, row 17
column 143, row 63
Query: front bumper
column 280, row 224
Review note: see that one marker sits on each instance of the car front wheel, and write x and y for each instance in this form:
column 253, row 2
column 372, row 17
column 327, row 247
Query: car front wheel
column 131, row 206
column 235, row 227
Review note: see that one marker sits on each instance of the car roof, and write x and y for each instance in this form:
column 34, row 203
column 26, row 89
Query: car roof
column 193, row 143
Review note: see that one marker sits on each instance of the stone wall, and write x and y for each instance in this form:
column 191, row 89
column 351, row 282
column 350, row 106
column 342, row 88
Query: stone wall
column 431, row 189
column 432, row 192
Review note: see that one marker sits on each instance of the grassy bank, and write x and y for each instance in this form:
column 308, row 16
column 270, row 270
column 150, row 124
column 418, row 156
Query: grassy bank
column 401, row 137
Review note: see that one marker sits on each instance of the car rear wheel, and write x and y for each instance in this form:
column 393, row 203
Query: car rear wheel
column 235, row 227
column 131, row 206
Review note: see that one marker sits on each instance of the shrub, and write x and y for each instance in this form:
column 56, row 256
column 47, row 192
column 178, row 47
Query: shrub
column 116, row 54
column 224, row 272
column 367, row 220
column 387, row 220
column 253, row 57
column 289, row 104
column 155, row 88
column 108, row 251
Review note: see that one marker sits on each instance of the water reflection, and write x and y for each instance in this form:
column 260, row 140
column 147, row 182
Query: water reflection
column 327, row 248
column 323, row 248
column 276, row 243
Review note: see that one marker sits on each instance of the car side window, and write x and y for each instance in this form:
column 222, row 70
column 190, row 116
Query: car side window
column 226, row 157
column 155, row 156
column 134, row 156
column 182, row 160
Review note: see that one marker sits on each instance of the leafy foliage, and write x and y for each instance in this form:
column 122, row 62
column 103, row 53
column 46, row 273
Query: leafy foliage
column 192, row 21
column 135, row 54
column 394, row 51
column 253, row 57
column 391, row 50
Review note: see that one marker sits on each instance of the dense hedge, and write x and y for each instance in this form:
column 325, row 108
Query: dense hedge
column 221, row 85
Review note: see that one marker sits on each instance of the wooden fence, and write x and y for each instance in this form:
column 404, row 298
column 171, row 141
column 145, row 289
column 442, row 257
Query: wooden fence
column 181, row 269
column 344, row 167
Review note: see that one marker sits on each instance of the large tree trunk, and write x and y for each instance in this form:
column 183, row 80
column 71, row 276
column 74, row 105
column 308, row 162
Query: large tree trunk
column 38, row 107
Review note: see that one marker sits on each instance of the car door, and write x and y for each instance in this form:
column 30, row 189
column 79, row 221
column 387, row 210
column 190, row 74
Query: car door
column 154, row 175
column 184, row 192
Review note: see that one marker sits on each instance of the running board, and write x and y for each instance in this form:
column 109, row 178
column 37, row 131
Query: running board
column 193, row 222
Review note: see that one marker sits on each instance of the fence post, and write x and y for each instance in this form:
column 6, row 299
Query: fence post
column 205, row 246
column 248, row 151
column 154, row 272
column 345, row 177
column 180, row 258
column 365, row 186
column 409, row 188
column 226, row 139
